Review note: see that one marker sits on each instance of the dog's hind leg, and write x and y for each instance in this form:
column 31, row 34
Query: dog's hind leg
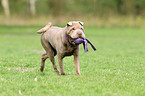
column 52, row 59
column 43, row 58
column 50, row 53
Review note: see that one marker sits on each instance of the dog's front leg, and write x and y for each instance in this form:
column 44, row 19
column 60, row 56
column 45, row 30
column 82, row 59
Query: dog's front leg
column 60, row 61
column 76, row 61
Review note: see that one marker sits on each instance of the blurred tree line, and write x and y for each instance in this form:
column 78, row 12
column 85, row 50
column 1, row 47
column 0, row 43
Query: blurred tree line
column 73, row 7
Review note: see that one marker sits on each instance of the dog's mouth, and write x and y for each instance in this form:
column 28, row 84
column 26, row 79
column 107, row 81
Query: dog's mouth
column 76, row 41
column 77, row 38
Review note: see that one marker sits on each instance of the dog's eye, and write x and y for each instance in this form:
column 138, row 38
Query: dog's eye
column 73, row 28
column 82, row 29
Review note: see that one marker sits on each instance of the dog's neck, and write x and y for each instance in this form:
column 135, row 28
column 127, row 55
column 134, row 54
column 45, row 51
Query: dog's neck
column 66, row 38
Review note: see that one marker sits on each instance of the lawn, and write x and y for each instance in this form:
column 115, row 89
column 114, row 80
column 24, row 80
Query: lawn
column 117, row 68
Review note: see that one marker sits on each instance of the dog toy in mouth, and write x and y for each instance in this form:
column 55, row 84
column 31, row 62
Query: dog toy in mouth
column 78, row 40
column 84, row 41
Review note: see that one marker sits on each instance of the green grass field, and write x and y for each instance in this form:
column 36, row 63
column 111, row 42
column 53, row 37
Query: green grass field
column 117, row 68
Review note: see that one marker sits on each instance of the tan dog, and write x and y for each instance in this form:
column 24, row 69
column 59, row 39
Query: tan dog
column 54, row 41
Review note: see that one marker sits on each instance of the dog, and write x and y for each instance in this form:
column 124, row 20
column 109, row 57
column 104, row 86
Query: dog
column 59, row 41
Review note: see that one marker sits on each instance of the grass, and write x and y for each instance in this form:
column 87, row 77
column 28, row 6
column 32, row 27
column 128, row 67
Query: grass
column 116, row 68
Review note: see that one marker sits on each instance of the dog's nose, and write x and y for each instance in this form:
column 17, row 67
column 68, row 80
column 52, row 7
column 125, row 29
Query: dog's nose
column 79, row 33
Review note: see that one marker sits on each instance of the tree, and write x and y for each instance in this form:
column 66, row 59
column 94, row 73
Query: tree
column 5, row 5
column 32, row 7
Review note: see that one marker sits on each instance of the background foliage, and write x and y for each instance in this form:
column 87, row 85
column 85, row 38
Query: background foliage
column 80, row 7
column 132, row 11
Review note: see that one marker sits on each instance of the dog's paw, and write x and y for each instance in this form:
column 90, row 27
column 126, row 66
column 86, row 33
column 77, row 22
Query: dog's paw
column 57, row 72
column 78, row 73
column 62, row 73
column 41, row 68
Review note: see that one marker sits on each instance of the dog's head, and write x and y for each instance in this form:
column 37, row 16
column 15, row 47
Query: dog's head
column 75, row 29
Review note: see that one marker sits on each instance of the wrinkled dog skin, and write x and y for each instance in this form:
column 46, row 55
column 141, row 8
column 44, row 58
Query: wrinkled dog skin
column 54, row 42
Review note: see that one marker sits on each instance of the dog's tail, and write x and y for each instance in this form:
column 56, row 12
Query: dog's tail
column 45, row 28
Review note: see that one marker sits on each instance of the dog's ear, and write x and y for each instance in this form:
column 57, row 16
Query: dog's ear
column 81, row 23
column 69, row 24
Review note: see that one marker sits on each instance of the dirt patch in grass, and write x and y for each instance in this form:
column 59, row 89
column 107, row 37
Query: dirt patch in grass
column 20, row 69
